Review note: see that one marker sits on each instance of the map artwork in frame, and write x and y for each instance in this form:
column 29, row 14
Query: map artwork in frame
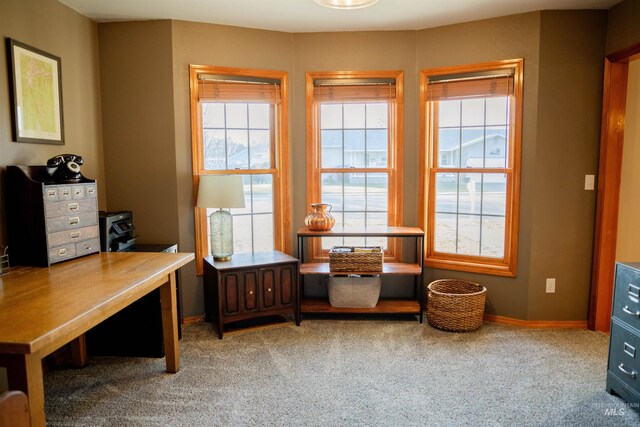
column 36, row 94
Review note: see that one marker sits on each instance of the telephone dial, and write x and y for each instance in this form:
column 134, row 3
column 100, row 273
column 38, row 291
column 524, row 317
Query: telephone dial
column 65, row 168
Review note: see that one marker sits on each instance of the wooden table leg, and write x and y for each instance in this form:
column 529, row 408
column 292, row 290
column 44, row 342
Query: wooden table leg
column 79, row 351
column 24, row 372
column 169, row 325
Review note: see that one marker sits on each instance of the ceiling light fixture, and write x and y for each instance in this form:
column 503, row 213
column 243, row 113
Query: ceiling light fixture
column 346, row 4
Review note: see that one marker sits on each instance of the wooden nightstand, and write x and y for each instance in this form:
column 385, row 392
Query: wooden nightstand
column 250, row 285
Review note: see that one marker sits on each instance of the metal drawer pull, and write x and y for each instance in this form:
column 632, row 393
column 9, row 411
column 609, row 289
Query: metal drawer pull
column 75, row 235
column 73, row 206
column 51, row 193
column 87, row 247
column 75, row 220
column 65, row 192
column 62, row 252
column 631, row 373
column 90, row 190
column 634, row 291
column 626, row 310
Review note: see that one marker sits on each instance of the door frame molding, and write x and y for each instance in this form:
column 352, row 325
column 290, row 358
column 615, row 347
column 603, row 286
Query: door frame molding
column 614, row 100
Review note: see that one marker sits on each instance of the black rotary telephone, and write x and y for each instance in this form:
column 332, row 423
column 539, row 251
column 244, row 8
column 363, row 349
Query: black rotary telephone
column 65, row 168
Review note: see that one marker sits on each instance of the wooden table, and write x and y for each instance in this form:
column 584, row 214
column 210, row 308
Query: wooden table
column 41, row 309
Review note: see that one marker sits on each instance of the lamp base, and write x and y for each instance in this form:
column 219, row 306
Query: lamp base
column 221, row 230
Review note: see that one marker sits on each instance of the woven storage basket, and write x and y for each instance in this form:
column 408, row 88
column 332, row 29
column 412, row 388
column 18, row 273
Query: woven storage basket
column 455, row 305
column 355, row 262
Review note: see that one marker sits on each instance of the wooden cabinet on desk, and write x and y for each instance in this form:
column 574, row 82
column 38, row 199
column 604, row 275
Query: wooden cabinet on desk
column 250, row 285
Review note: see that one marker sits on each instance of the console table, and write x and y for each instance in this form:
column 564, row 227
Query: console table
column 42, row 309
column 384, row 306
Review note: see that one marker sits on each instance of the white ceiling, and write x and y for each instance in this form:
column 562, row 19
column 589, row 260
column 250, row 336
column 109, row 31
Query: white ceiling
column 308, row 16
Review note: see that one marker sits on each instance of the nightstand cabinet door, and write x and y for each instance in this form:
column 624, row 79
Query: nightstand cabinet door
column 287, row 290
column 278, row 286
column 239, row 294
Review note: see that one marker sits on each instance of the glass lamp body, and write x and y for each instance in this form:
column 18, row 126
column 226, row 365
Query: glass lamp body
column 221, row 230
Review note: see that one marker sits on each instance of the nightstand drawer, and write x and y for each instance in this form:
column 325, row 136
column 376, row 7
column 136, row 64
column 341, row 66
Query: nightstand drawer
column 624, row 355
column 626, row 304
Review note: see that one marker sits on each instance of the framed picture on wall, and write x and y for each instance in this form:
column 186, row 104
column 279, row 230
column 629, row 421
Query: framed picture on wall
column 36, row 94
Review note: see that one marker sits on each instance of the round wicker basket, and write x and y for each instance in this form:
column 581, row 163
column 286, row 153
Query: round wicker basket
column 455, row 305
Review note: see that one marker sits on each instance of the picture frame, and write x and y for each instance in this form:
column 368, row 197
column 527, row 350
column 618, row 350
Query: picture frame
column 35, row 79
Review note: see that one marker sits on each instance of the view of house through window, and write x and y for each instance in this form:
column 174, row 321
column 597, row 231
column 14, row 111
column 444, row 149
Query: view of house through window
column 470, row 206
column 354, row 151
column 472, row 155
column 237, row 117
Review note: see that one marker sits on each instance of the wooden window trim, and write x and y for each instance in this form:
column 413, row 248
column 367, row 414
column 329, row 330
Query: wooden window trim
column 280, row 153
column 507, row 266
column 394, row 166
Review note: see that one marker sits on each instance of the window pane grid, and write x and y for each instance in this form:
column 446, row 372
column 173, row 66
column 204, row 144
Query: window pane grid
column 464, row 222
column 236, row 136
column 358, row 200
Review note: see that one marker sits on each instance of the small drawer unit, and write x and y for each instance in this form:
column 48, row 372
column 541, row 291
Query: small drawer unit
column 49, row 222
column 250, row 285
column 623, row 373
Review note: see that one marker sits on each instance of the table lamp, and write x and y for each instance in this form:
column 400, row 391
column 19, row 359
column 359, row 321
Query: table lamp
column 222, row 192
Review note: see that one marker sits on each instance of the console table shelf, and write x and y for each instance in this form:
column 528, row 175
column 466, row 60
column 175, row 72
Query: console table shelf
column 387, row 268
column 385, row 306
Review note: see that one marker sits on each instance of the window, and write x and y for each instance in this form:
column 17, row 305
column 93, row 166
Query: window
column 471, row 120
column 354, row 152
column 239, row 126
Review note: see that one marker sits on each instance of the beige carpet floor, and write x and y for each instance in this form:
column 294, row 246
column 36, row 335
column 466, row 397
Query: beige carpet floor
column 350, row 372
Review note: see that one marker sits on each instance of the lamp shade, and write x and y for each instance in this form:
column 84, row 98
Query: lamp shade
column 220, row 191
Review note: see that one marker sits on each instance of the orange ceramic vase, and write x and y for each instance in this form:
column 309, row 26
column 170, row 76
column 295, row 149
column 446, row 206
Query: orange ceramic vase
column 320, row 219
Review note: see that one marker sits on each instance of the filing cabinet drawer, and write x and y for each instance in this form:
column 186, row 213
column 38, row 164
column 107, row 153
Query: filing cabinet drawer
column 90, row 191
column 71, row 222
column 624, row 355
column 60, row 253
column 53, row 193
column 69, row 207
column 87, row 247
column 626, row 303
column 73, row 236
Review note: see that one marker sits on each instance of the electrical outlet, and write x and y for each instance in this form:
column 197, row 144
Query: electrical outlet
column 551, row 286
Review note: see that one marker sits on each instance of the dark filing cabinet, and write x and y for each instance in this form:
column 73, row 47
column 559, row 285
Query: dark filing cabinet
column 137, row 329
column 49, row 222
column 624, row 348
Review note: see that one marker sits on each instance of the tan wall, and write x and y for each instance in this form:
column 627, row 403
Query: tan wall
column 218, row 45
column 567, row 149
column 137, row 112
column 546, row 40
column 627, row 248
column 623, row 30
column 491, row 40
column 50, row 26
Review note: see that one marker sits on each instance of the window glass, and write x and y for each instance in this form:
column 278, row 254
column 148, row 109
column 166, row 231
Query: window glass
column 471, row 190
